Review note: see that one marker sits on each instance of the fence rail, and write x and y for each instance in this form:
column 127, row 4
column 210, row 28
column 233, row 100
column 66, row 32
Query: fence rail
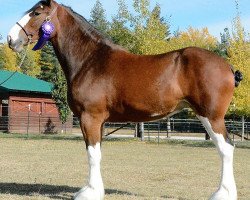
column 45, row 124
column 33, row 124
column 172, row 126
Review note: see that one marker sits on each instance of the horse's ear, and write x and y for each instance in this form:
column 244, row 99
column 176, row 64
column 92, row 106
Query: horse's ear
column 48, row 2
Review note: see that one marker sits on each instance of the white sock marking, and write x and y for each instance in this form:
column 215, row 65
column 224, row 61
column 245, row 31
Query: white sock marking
column 227, row 188
column 94, row 189
column 94, row 156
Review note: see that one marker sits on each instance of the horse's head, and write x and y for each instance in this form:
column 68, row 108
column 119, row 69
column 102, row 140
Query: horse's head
column 28, row 29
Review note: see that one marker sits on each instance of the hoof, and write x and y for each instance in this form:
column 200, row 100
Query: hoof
column 88, row 193
column 223, row 194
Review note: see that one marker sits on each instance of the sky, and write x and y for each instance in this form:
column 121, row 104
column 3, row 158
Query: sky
column 214, row 14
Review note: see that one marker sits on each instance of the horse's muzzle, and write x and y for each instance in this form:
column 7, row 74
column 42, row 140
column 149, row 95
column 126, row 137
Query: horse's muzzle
column 15, row 45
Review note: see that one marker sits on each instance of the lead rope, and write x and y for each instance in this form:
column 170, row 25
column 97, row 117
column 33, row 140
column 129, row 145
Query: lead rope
column 25, row 54
column 20, row 64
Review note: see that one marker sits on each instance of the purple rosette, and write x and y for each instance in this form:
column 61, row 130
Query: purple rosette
column 47, row 29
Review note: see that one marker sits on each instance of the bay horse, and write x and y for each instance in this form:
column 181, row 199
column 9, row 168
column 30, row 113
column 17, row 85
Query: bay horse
column 106, row 83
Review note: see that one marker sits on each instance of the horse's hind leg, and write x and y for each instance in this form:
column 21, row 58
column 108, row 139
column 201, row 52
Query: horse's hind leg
column 91, row 127
column 217, row 131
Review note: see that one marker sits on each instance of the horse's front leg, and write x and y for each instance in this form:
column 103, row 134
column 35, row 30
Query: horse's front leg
column 91, row 127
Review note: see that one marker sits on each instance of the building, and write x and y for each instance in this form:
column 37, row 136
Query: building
column 26, row 105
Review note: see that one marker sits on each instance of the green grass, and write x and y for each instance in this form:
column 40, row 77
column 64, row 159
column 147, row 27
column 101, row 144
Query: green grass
column 56, row 167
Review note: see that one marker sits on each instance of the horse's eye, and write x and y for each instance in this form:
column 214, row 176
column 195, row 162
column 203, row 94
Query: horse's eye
column 36, row 13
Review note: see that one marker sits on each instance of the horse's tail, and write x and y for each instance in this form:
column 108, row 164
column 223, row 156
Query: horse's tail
column 238, row 76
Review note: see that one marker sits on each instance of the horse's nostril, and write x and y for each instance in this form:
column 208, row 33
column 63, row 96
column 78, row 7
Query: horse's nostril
column 9, row 39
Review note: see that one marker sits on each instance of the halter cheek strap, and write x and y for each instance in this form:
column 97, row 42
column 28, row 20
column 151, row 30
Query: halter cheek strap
column 29, row 35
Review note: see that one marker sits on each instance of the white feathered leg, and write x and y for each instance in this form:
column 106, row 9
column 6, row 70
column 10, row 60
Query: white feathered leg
column 94, row 189
column 227, row 188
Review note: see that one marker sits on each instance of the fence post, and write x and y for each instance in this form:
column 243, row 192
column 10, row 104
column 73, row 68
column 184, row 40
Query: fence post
column 243, row 128
column 148, row 132
column 207, row 137
column 168, row 128
column 28, row 123
column 140, row 130
column 158, row 135
column 71, row 124
column 39, row 123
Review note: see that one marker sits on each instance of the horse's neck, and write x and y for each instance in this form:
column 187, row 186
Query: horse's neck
column 75, row 47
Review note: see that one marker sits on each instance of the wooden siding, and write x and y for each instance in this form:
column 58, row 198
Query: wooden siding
column 33, row 113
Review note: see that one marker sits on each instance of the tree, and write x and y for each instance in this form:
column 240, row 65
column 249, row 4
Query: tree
column 193, row 37
column 8, row 58
column 143, row 31
column 221, row 48
column 119, row 32
column 59, row 92
column 239, row 57
column 1, row 57
column 47, row 62
column 30, row 64
column 98, row 18
column 52, row 72
column 154, row 34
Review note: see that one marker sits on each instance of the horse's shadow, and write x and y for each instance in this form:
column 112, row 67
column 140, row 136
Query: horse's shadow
column 51, row 191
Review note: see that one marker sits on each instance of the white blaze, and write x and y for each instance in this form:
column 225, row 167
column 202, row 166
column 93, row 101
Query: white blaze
column 15, row 30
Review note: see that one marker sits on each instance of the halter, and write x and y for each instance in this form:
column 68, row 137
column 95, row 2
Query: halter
column 29, row 35
column 47, row 28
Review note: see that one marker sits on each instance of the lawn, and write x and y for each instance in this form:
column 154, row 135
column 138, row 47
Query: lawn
column 39, row 168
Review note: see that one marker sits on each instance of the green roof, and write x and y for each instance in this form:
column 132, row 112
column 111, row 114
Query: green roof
column 18, row 82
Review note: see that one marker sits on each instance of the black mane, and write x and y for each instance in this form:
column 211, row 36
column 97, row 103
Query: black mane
column 89, row 28
column 83, row 21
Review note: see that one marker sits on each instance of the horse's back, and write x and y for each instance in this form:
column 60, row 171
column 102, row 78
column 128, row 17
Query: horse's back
column 160, row 83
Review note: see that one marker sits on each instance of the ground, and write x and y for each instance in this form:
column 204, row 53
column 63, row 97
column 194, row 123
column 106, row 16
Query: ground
column 42, row 169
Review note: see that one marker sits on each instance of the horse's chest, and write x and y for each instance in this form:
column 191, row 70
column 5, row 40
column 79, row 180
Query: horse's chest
column 87, row 96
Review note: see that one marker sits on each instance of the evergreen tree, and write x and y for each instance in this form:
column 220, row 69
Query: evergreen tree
column 119, row 32
column 221, row 48
column 59, row 92
column 47, row 62
column 98, row 18
column 143, row 31
column 51, row 71
column 121, row 35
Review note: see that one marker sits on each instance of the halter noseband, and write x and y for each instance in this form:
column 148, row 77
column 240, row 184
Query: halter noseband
column 29, row 35
column 47, row 29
